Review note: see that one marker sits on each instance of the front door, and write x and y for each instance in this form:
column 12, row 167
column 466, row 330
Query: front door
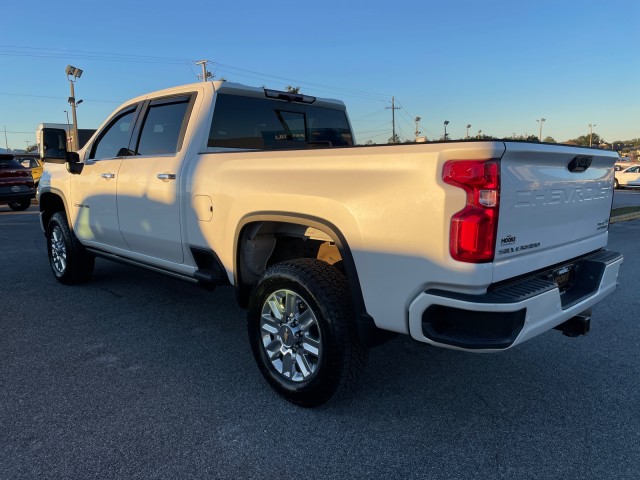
column 94, row 200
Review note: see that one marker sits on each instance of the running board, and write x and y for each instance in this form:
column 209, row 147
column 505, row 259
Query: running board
column 128, row 261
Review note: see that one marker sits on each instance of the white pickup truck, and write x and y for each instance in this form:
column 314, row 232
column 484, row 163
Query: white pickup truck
column 474, row 245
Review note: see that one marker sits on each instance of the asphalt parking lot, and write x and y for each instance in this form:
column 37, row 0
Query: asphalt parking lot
column 135, row 375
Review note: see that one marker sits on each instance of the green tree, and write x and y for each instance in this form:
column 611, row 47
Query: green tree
column 583, row 140
column 549, row 140
column 292, row 89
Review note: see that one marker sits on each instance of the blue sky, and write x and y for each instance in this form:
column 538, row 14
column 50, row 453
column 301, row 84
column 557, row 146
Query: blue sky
column 497, row 65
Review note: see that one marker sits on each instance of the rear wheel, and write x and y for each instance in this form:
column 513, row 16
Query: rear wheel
column 20, row 205
column 69, row 261
column 302, row 331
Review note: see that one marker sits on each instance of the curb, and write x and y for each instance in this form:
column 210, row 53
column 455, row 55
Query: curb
column 624, row 218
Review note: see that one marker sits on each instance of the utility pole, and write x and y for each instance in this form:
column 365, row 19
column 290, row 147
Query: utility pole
column 205, row 74
column 418, row 127
column 6, row 143
column 393, row 117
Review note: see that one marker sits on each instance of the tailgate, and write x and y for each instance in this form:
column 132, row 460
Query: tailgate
column 555, row 203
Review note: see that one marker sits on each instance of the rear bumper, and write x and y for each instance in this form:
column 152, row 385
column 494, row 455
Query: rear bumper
column 17, row 197
column 509, row 314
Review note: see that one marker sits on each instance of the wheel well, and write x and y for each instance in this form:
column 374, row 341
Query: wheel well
column 50, row 203
column 268, row 241
column 265, row 243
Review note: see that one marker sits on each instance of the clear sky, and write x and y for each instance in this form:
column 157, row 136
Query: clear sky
column 498, row 65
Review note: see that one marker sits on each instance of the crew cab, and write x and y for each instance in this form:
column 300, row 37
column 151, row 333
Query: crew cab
column 333, row 247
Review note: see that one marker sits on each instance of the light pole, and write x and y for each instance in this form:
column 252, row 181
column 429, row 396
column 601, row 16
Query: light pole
column 591, row 133
column 446, row 122
column 417, row 127
column 73, row 74
column 468, row 127
column 541, row 121
column 68, row 132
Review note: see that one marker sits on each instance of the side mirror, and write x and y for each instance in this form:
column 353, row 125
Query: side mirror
column 74, row 165
column 52, row 145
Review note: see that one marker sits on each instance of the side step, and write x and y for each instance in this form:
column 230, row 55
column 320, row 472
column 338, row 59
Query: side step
column 208, row 278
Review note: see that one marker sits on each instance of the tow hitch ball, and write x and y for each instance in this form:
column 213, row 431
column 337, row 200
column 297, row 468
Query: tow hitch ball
column 578, row 325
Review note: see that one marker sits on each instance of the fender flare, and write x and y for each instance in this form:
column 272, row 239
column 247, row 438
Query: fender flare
column 364, row 321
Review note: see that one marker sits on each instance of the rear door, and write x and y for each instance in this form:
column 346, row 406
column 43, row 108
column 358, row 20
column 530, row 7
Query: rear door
column 555, row 203
column 148, row 182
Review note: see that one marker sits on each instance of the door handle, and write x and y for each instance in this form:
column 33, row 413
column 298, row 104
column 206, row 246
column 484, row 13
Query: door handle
column 166, row 176
column 108, row 175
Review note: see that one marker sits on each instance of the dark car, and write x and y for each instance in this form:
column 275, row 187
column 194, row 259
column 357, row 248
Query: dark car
column 17, row 187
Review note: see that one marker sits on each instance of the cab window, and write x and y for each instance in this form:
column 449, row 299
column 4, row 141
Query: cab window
column 163, row 126
column 267, row 124
column 114, row 140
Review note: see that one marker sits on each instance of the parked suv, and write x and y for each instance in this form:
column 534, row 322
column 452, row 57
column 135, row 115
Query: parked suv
column 17, row 187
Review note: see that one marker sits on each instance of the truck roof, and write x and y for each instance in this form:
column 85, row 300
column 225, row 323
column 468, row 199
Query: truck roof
column 241, row 89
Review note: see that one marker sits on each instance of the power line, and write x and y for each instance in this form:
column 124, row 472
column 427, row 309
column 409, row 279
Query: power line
column 377, row 112
column 39, row 52
column 57, row 98
column 94, row 55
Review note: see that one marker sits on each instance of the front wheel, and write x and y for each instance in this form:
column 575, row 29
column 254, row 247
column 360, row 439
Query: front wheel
column 302, row 331
column 615, row 183
column 20, row 205
column 69, row 261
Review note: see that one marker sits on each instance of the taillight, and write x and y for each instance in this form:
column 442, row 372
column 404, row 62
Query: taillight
column 472, row 237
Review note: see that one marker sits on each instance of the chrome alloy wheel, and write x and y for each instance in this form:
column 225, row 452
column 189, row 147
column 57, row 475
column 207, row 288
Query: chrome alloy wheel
column 58, row 250
column 290, row 335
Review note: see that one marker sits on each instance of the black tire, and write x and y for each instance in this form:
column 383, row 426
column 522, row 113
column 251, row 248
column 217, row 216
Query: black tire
column 20, row 205
column 615, row 183
column 327, row 352
column 69, row 261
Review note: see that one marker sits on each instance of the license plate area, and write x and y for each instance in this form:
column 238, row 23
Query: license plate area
column 563, row 277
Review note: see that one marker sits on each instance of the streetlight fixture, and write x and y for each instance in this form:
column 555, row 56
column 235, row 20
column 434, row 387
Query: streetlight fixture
column 446, row 122
column 591, row 133
column 73, row 74
column 468, row 127
column 541, row 121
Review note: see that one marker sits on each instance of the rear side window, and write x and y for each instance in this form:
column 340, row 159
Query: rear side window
column 162, row 129
column 265, row 124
